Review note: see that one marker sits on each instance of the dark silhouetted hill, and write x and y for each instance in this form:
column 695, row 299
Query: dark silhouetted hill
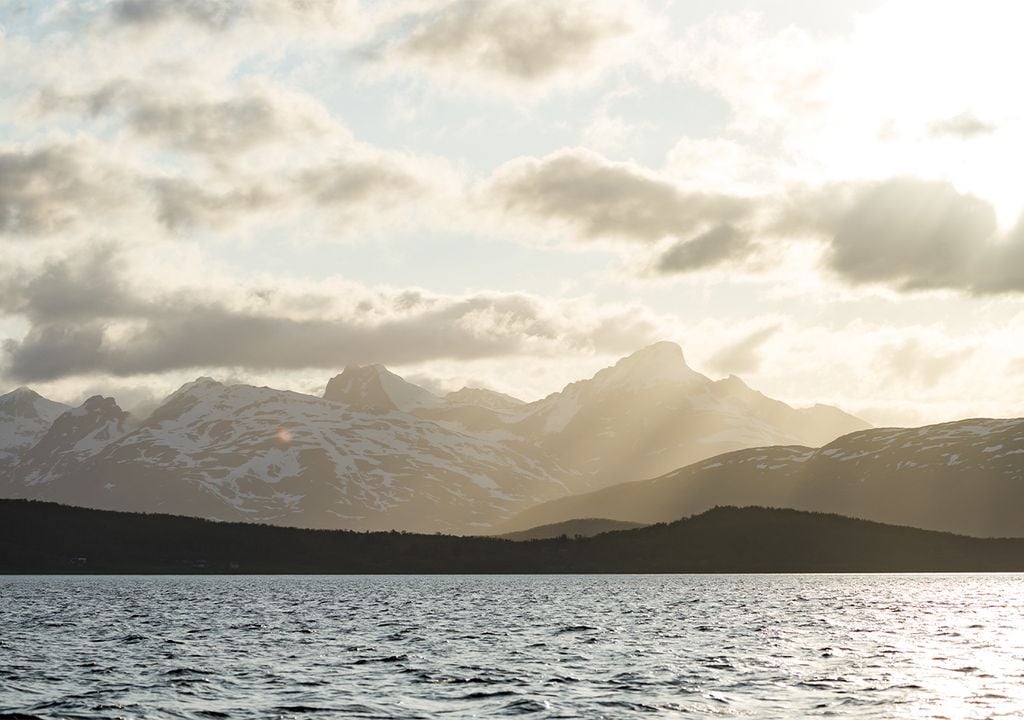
column 584, row 527
column 38, row 537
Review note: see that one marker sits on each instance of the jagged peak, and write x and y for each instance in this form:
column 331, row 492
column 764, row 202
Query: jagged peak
column 662, row 362
column 98, row 405
column 374, row 387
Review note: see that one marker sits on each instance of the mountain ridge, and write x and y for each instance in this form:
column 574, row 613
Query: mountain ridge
column 965, row 476
column 378, row 452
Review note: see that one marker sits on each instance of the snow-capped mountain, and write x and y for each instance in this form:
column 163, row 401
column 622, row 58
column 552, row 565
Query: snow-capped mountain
column 75, row 437
column 242, row 452
column 378, row 452
column 651, row 413
column 965, row 477
column 25, row 416
column 376, row 388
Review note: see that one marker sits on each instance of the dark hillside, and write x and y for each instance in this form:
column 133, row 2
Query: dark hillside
column 40, row 537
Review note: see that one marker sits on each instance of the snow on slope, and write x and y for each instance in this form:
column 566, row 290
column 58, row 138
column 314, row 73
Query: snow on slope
column 379, row 452
column 25, row 416
column 75, row 436
column 245, row 452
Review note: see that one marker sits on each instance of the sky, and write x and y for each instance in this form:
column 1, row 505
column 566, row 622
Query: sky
column 822, row 198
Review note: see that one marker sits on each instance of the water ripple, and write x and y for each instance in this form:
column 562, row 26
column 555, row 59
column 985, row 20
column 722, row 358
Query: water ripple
column 780, row 646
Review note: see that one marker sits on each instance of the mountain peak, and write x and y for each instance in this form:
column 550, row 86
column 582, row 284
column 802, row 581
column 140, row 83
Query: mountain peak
column 199, row 386
column 22, row 391
column 99, row 405
column 662, row 362
column 374, row 387
column 25, row 402
column 661, row 351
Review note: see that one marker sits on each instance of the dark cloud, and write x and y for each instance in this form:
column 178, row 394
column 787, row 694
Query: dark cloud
column 221, row 15
column 54, row 350
column 964, row 126
column 69, row 290
column 209, row 14
column 225, row 127
column 714, row 247
column 912, row 234
column 182, row 204
column 49, row 189
column 517, row 41
column 743, row 356
column 109, row 328
column 909, row 234
column 1002, row 267
column 607, row 200
column 94, row 102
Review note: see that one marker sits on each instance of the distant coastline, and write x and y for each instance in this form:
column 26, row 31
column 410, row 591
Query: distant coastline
column 46, row 538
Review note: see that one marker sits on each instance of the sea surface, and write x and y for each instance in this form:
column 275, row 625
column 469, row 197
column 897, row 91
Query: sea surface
column 555, row 646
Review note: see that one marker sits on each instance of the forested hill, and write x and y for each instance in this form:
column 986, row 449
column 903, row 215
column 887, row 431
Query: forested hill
column 38, row 537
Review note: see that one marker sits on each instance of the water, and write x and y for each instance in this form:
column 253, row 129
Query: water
column 584, row 646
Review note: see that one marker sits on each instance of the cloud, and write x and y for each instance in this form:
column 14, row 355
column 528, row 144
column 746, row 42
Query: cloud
column 116, row 327
column 53, row 188
column 743, row 356
column 210, row 14
column 185, row 117
column 69, row 290
column 910, row 361
column 965, row 126
column 183, row 204
column 912, row 234
column 905, row 233
column 379, row 182
column 718, row 245
column 517, row 44
column 224, row 127
column 600, row 200
column 220, row 15
column 909, row 234
column 265, row 152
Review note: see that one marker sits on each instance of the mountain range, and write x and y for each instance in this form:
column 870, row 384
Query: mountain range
column 965, row 477
column 376, row 452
